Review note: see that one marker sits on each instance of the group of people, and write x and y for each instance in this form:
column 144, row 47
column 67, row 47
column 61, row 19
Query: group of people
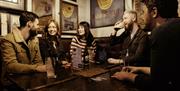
column 160, row 17
column 150, row 61
column 23, row 52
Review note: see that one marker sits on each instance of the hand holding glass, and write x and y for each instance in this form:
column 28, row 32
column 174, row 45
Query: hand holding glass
column 119, row 25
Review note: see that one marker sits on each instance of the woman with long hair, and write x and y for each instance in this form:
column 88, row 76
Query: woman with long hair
column 83, row 40
column 51, row 46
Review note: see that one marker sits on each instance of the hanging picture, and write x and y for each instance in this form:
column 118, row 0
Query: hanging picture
column 179, row 8
column 3, row 24
column 14, row 21
column 44, row 20
column 42, row 7
column 106, row 12
column 69, row 17
column 13, row 4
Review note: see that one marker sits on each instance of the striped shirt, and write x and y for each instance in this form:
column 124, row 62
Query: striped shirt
column 77, row 43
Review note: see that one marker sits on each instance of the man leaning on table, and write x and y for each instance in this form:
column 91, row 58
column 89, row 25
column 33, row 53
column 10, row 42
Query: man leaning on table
column 20, row 48
column 163, row 74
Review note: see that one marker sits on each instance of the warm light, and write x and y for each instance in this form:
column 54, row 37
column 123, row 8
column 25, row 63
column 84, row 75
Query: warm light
column 14, row 1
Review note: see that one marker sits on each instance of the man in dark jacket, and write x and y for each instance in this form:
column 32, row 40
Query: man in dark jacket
column 135, row 42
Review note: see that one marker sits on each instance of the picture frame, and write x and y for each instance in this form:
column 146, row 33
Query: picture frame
column 42, row 7
column 179, row 8
column 3, row 24
column 106, row 12
column 13, row 21
column 69, row 17
column 19, row 5
column 43, row 21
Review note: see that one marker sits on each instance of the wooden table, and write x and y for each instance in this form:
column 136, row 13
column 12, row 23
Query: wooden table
column 68, row 80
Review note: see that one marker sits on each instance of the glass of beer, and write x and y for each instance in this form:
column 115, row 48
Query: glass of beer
column 119, row 25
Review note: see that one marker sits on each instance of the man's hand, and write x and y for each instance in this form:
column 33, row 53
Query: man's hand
column 133, row 69
column 115, row 61
column 117, row 26
column 41, row 68
column 124, row 76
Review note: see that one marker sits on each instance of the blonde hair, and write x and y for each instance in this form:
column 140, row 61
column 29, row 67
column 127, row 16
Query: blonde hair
column 132, row 13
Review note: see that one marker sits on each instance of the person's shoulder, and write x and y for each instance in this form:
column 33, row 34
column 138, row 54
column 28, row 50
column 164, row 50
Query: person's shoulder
column 171, row 24
column 142, row 33
column 173, row 20
column 8, row 37
column 168, row 29
column 35, row 39
column 75, row 38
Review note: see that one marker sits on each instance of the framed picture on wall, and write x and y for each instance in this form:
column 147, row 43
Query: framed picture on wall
column 69, row 17
column 13, row 4
column 179, row 8
column 106, row 12
column 42, row 7
column 43, row 20
column 3, row 24
column 14, row 21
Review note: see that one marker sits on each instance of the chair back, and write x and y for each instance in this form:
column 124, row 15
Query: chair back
column 2, row 68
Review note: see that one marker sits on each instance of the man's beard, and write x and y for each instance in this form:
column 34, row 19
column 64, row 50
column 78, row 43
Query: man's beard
column 129, row 27
column 33, row 32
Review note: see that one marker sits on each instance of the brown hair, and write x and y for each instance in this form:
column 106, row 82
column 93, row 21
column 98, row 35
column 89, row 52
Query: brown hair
column 47, row 26
column 88, row 36
column 27, row 16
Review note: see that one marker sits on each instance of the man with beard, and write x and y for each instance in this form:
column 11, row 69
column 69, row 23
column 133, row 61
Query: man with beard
column 20, row 51
column 135, row 42
column 162, row 75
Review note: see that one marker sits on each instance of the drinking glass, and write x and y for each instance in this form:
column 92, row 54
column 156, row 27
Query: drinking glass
column 50, row 69
column 119, row 25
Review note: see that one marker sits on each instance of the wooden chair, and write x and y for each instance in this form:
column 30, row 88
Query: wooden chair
column 1, row 72
column 3, row 79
